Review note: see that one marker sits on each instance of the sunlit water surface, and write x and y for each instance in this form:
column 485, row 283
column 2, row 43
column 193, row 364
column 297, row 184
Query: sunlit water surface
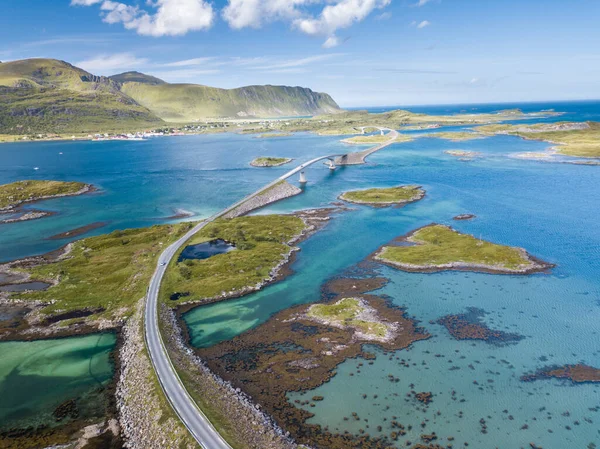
column 550, row 209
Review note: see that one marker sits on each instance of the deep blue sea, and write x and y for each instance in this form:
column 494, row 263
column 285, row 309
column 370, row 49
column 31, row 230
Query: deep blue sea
column 551, row 209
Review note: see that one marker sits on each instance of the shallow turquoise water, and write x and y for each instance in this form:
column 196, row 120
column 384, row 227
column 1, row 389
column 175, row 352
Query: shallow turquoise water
column 552, row 210
column 37, row 376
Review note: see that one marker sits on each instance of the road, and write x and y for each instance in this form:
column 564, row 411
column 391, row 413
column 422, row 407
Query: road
column 184, row 405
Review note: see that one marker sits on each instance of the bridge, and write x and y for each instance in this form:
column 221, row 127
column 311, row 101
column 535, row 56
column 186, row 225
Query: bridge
column 182, row 403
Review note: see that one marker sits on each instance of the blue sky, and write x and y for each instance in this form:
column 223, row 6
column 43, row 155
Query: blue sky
column 362, row 52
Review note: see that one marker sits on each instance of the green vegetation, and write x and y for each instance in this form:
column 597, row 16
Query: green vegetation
column 455, row 136
column 270, row 161
column 439, row 246
column 348, row 312
column 392, row 195
column 261, row 243
column 136, row 77
column 572, row 139
column 46, row 95
column 109, row 271
column 375, row 139
column 13, row 194
column 351, row 122
column 189, row 102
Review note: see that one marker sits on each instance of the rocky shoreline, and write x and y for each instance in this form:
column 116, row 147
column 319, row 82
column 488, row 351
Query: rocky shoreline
column 253, row 427
column 276, row 193
column 252, row 363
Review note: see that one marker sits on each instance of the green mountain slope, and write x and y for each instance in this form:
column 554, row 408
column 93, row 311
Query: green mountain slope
column 136, row 77
column 50, row 96
column 43, row 96
column 188, row 102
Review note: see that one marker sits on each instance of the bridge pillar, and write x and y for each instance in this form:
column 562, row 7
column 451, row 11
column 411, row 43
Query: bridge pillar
column 381, row 131
column 302, row 178
column 331, row 165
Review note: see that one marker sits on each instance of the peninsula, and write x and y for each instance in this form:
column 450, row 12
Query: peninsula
column 17, row 193
column 580, row 139
column 438, row 247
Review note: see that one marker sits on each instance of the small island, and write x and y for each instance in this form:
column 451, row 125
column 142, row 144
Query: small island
column 399, row 195
column 470, row 326
column 438, row 247
column 17, row 193
column 266, row 161
column 577, row 374
column 462, row 153
column 463, row 217
column 353, row 313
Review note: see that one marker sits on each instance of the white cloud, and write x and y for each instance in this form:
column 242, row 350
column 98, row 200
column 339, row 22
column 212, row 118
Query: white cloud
column 423, row 24
column 335, row 15
column 190, row 62
column 254, row 13
column 109, row 64
column 422, row 2
column 342, row 14
column 171, row 18
column 299, row 62
column 384, row 16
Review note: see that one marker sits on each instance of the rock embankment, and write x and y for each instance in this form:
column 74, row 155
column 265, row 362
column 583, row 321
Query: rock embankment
column 244, row 419
column 145, row 417
column 276, row 193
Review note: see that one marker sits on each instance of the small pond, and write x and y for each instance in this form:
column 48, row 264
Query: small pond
column 35, row 285
column 206, row 250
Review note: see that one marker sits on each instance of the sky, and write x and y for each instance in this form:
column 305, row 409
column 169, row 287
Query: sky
column 362, row 52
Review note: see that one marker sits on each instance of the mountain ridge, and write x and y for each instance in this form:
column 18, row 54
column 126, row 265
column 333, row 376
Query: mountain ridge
column 48, row 95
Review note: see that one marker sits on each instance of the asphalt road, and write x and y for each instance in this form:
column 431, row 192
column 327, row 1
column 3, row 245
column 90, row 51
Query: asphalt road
column 181, row 401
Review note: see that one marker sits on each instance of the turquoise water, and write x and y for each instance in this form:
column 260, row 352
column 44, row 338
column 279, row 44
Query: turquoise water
column 37, row 376
column 550, row 209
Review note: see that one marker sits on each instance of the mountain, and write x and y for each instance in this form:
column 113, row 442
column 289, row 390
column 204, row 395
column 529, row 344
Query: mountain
column 188, row 102
column 51, row 96
column 136, row 77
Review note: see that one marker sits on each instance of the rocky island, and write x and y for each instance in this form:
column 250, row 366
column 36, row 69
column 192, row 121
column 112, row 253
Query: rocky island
column 265, row 161
column 438, row 247
column 399, row 195
column 577, row 374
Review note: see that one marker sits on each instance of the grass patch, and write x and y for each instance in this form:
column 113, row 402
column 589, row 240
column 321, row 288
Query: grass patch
column 392, row 195
column 109, row 271
column 261, row 243
column 345, row 312
column 19, row 192
column 438, row 245
column 270, row 161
